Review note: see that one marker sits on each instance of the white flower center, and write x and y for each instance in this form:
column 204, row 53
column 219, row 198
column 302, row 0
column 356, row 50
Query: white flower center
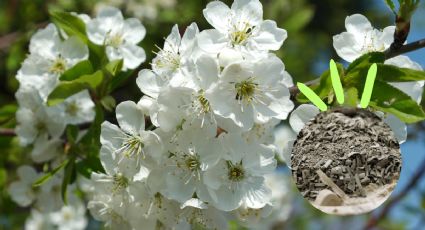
column 245, row 90
column 58, row 66
column 120, row 182
column 167, row 59
column 132, row 146
column 369, row 43
column 115, row 40
column 72, row 109
column 240, row 35
column 41, row 126
column 67, row 215
column 202, row 105
column 190, row 163
column 236, row 172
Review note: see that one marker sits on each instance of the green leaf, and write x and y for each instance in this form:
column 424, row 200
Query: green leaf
column 351, row 97
column 366, row 60
column 357, row 71
column 108, row 103
column 391, row 5
column 324, row 89
column 389, row 99
column 93, row 80
column 7, row 112
column 3, row 177
column 114, row 67
column 88, row 165
column 69, row 178
column 40, row 181
column 119, row 79
column 72, row 133
column 71, row 24
column 68, row 88
column 80, row 69
column 63, row 91
column 390, row 73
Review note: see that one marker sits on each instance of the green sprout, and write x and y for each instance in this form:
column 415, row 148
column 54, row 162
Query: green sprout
column 337, row 86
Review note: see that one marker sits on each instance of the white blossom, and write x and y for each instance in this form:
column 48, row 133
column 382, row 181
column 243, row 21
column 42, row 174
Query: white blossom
column 240, row 27
column 76, row 109
column 50, row 57
column 237, row 180
column 361, row 38
column 120, row 36
column 70, row 217
column 249, row 92
column 39, row 221
column 34, row 118
column 177, row 51
column 22, row 191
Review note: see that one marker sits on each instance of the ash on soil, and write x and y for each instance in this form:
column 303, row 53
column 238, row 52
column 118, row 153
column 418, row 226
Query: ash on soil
column 353, row 147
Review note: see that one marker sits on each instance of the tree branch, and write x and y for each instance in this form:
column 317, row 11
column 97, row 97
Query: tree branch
column 390, row 53
column 374, row 220
column 294, row 91
column 7, row 132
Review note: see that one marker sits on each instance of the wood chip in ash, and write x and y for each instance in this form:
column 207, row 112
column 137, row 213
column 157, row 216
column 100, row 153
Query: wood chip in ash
column 353, row 148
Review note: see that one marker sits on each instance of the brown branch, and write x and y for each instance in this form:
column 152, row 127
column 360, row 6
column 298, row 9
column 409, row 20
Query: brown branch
column 294, row 89
column 7, row 132
column 8, row 40
column 390, row 53
column 374, row 220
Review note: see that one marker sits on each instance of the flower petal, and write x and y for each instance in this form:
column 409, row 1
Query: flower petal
column 189, row 38
column 134, row 31
column 357, row 24
column 133, row 55
column 212, row 41
column 301, row 115
column 150, row 83
column 346, row 46
column 74, row 51
column 130, row 117
column 270, row 37
column 250, row 11
column 45, row 42
column 217, row 14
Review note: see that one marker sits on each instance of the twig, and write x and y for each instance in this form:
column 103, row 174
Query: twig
column 7, row 132
column 390, row 53
column 294, row 89
column 373, row 221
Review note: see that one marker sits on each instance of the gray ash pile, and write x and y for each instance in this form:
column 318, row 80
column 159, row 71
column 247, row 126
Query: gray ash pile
column 353, row 147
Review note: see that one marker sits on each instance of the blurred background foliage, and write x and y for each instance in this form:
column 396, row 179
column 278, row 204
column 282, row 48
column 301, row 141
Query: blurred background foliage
column 306, row 52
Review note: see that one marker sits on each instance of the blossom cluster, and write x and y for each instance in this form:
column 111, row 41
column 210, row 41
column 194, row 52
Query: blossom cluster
column 201, row 145
column 206, row 153
column 42, row 127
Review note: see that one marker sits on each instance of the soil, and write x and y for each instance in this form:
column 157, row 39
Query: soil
column 348, row 151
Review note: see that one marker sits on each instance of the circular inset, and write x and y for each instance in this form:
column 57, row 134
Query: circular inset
column 346, row 161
